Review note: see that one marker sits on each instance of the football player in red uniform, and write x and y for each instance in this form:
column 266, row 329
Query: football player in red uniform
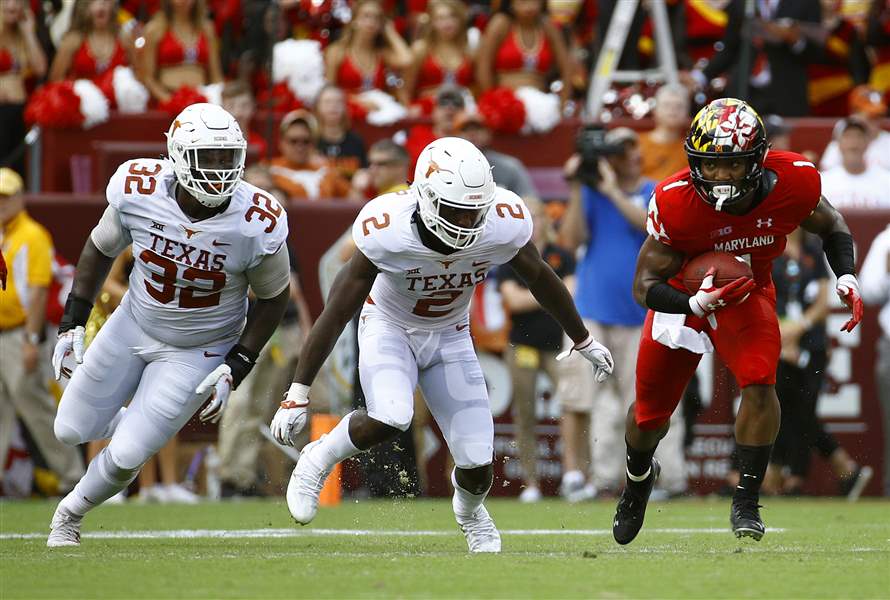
column 735, row 197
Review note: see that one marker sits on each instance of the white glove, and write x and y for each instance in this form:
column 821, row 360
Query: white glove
column 291, row 416
column 69, row 342
column 848, row 291
column 219, row 385
column 597, row 354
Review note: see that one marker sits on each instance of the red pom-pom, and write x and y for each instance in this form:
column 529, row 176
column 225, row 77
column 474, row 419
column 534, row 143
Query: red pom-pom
column 279, row 99
column 503, row 111
column 181, row 98
column 54, row 105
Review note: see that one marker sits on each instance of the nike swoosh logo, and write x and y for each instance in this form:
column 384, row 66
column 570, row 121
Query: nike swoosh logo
column 218, row 243
column 462, row 327
column 479, row 263
column 210, row 354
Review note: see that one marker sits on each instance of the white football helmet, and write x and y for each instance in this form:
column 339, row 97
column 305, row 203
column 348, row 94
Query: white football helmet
column 453, row 174
column 207, row 149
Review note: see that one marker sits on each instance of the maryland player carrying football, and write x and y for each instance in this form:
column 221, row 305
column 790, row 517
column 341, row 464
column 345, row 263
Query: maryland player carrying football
column 178, row 340
column 419, row 255
column 735, row 197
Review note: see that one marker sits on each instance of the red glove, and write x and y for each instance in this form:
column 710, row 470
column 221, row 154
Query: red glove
column 2, row 272
column 848, row 290
column 710, row 299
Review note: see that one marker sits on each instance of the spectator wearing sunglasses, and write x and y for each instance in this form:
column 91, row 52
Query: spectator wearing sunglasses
column 300, row 172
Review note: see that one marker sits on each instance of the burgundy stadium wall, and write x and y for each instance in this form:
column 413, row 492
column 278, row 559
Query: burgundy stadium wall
column 314, row 226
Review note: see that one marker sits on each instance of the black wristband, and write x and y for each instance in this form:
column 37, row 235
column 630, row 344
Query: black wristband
column 838, row 248
column 77, row 313
column 664, row 298
column 240, row 361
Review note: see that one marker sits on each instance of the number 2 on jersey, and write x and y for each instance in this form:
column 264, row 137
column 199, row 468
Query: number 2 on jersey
column 441, row 298
column 166, row 293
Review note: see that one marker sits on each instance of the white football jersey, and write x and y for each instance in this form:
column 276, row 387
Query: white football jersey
column 188, row 286
column 418, row 287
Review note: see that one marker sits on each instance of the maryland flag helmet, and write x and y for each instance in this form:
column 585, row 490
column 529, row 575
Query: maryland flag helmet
column 726, row 129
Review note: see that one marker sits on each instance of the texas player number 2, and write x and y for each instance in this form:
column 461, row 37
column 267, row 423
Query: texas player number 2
column 426, row 306
column 189, row 297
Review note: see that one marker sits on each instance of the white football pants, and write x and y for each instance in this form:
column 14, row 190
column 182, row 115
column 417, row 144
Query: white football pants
column 391, row 362
column 125, row 362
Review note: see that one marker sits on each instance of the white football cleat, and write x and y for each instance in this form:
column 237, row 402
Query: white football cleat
column 64, row 529
column 305, row 485
column 480, row 531
column 530, row 495
column 176, row 493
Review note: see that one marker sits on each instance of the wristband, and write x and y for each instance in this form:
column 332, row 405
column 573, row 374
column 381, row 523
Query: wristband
column 240, row 361
column 297, row 396
column 77, row 313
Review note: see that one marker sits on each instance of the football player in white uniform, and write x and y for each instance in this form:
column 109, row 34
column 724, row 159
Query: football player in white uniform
column 420, row 253
column 179, row 340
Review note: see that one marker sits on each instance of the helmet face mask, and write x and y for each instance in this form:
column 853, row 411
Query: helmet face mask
column 726, row 135
column 454, row 189
column 208, row 151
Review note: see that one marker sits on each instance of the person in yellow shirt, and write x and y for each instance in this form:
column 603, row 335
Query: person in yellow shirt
column 387, row 171
column 24, row 364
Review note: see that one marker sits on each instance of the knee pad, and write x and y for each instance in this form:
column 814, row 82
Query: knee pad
column 67, row 434
column 112, row 472
column 126, row 456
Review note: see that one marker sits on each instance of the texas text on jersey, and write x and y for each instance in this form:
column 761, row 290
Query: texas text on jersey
column 678, row 217
column 189, row 280
column 419, row 287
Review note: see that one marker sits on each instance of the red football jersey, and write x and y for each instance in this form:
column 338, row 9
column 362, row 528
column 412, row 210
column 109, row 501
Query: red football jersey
column 679, row 217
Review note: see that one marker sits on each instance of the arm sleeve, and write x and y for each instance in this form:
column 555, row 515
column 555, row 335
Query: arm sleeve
column 109, row 235
column 271, row 275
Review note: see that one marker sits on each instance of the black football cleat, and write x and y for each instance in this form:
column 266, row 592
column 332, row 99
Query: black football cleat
column 632, row 507
column 745, row 519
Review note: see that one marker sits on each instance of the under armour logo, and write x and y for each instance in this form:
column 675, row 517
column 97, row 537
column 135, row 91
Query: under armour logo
column 158, row 226
column 768, row 222
column 712, row 306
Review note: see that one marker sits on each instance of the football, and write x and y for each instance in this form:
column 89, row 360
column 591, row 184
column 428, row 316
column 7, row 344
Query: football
column 729, row 268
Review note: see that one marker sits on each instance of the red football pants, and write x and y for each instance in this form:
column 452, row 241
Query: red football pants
column 746, row 339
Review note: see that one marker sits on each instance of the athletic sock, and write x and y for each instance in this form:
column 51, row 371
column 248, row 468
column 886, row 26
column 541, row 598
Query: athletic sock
column 753, row 461
column 337, row 446
column 463, row 502
column 639, row 463
column 102, row 480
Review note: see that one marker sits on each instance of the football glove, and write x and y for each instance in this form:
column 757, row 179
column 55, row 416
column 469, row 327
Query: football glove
column 848, row 291
column 291, row 416
column 69, row 342
column 216, row 387
column 597, row 354
column 709, row 299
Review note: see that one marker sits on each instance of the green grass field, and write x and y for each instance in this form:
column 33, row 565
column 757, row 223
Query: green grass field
column 400, row 549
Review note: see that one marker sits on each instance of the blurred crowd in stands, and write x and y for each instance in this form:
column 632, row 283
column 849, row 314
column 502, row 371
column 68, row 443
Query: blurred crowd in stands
column 471, row 69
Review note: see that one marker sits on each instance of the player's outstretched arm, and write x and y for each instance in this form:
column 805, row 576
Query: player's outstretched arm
column 349, row 290
column 837, row 243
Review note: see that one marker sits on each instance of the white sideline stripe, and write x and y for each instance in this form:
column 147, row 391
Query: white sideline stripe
column 292, row 533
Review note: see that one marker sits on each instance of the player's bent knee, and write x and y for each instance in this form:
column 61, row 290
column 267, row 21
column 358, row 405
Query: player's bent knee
column 67, row 434
column 473, row 455
column 113, row 472
column 127, row 457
